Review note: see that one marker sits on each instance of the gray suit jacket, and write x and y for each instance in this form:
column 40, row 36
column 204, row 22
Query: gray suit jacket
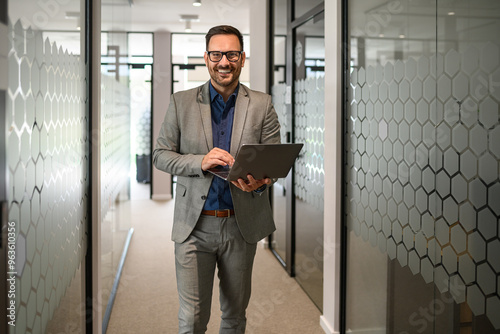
column 185, row 138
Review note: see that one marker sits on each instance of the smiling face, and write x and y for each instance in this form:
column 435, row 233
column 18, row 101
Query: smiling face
column 224, row 74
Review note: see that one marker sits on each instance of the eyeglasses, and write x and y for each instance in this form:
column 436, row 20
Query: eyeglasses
column 232, row 56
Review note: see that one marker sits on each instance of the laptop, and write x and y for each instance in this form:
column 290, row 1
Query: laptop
column 261, row 160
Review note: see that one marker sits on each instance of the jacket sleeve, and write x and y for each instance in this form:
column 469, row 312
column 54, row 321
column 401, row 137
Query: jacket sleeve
column 271, row 126
column 167, row 156
column 270, row 131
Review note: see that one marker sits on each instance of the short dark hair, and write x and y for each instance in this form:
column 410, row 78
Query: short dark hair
column 224, row 30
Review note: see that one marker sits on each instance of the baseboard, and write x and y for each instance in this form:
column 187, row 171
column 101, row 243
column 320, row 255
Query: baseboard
column 264, row 243
column 367, row 331
column 161, row 197
column 327, row 327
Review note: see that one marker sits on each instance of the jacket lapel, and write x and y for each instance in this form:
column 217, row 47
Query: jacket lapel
column 240, row 114
column 206, row 115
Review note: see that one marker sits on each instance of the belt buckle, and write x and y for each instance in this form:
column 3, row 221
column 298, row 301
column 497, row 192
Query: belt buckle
column 224, row 213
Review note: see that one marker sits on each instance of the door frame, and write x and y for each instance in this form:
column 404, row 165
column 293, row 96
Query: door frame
column 292, row 24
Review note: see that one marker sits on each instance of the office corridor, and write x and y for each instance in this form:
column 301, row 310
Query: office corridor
column 146, row 300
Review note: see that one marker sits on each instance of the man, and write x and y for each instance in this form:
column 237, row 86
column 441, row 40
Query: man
column 216, row 223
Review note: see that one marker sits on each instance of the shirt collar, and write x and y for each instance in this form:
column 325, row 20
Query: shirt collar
column 214, row 93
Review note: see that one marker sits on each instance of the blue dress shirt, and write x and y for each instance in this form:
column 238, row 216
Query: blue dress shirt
column 219, row 195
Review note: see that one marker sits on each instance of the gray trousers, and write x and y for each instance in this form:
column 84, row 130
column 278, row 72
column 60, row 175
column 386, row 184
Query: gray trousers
column 214, row 242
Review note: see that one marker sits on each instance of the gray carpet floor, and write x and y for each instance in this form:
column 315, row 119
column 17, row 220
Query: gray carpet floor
column 146, row 301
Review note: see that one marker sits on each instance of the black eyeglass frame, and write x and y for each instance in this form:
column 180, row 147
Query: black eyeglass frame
column 224, row 54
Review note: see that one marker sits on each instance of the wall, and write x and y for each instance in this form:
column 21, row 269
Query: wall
column 422, row 162
column 161, row 181
column 330, row 321
column 47, row 162
column 259, row 41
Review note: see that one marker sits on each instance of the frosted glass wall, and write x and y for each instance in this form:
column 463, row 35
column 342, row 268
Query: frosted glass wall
column 115, row 149
column 47, row 161
column 309, row 115
column 422, row 168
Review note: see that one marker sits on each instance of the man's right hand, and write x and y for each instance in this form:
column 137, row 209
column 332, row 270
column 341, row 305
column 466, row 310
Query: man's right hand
column 216, row 157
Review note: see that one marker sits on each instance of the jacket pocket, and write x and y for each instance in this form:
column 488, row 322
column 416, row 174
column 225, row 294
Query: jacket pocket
column 180, row 189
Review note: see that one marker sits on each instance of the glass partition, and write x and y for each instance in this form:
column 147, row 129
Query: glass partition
column 278, row 91
column 140, row 72
column 422, row 167
column 189, row 70
column 298, row 97
column 309, row 171
column 115, row 138
column 47, row 163
column 301, row 7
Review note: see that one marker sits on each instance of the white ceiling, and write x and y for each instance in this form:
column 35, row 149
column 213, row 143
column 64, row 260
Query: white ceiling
column 142, row 15
column 418, row 18
column 152, row 15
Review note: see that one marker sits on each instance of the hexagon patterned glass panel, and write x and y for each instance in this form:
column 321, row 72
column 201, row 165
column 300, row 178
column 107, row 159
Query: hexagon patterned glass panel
column 309, row 111
column 422, row 167
column 47, row 166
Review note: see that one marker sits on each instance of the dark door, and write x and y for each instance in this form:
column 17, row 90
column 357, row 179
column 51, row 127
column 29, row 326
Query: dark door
column 298, row 97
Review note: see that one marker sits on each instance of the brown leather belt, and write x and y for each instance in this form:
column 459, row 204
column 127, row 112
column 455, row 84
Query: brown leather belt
column 218, row 213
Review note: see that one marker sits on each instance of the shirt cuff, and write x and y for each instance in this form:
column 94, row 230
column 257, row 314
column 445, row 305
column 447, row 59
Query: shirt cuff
column 260, row 189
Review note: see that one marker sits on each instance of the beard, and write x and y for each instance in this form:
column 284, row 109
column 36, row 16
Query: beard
column 226, row 80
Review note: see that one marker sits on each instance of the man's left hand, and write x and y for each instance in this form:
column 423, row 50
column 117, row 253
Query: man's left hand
column 251, row 184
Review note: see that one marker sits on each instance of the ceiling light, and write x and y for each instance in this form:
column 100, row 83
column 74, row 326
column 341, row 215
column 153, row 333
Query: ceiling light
column 188, row 19
column 193, row 18
column 451, row 13
column 197, row 3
